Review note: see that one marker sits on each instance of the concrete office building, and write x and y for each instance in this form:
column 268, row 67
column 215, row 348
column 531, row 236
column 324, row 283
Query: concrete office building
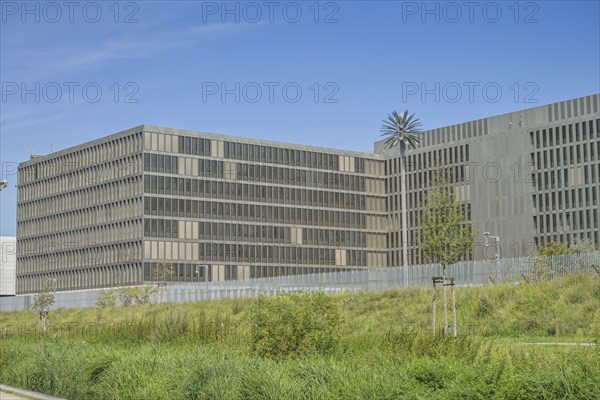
column 219, row 207
column 530, row 177
column 8, row 265
column 215, row 207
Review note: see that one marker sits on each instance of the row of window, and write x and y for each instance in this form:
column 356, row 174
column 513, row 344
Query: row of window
column 431, row 160
column 417, row 189
column 81, row 198
column 564, row 221
column 161, row 163
column 287, row 254
column 566, row 155
column 82, row 278
column 68, row 182
column 566, row 199
column 79, row 218
column 561, row 178
column 258, row 173
column 195, row 146
column 53, row 256
column 167, row 228
column 75, row 160
column 565, row 134
column 545, row 239
column 170, row 186
column 278, row 155
column 253, row 213
column 296, row 177
column 245, row 212
column 74, row 238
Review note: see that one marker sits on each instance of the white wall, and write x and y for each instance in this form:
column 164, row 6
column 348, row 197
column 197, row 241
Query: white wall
column 8, row 265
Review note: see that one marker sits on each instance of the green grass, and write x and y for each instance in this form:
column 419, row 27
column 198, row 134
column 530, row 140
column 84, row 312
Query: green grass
column 385, row 351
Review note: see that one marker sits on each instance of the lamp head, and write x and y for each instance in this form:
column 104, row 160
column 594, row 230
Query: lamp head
column 487, row 238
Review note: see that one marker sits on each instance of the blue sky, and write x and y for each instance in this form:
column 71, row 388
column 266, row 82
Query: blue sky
column 167, row 63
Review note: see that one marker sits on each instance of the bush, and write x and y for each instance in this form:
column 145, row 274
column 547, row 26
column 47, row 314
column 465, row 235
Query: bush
column 595, row 327
column 106, row 298
column 294, row 325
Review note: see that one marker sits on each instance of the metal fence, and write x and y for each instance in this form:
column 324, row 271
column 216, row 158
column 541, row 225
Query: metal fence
column 467, row 273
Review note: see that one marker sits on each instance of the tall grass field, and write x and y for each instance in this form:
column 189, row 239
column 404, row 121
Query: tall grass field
column 317, row 346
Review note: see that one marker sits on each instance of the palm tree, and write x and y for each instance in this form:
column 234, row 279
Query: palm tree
column 402, row 130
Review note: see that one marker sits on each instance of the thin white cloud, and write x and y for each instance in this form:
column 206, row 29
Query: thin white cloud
column 84, row 57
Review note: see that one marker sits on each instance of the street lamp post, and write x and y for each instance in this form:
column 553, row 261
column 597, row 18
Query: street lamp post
column 3, row 184
column 496, row 240
column 497, row 244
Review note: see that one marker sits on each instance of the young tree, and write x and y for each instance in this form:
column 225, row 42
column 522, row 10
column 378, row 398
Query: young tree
column 160, row 274
column 42, row 302
column 446, row 234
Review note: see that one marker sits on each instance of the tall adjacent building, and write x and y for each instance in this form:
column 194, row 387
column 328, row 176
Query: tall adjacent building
column 216, row 207
column 530, row 177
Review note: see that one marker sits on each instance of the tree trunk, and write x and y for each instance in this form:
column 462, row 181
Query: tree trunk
column 434, row 305
column 445, row 303
column 454, row 331
column 404, row 239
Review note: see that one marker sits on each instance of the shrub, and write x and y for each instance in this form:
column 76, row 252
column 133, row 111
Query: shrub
column 106, row 298
column 143, row 294
column 595, row 327
column 126, row 295
column 294, row 325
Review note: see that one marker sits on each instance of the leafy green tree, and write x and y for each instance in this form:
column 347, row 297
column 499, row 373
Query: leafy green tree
column 446, row 234
column 42, row 302
column 402, row 130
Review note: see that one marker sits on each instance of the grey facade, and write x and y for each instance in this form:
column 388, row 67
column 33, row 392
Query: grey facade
column 224, row 208
column 530, row 177
column 213, row 207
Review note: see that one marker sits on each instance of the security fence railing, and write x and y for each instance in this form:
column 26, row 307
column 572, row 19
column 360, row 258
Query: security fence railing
column 466, row 273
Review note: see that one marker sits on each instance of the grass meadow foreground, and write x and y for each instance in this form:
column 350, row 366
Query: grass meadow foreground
column 315, row 346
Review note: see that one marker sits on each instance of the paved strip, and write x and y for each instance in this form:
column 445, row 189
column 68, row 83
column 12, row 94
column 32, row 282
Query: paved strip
column 10, row 396
column 19, row 394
